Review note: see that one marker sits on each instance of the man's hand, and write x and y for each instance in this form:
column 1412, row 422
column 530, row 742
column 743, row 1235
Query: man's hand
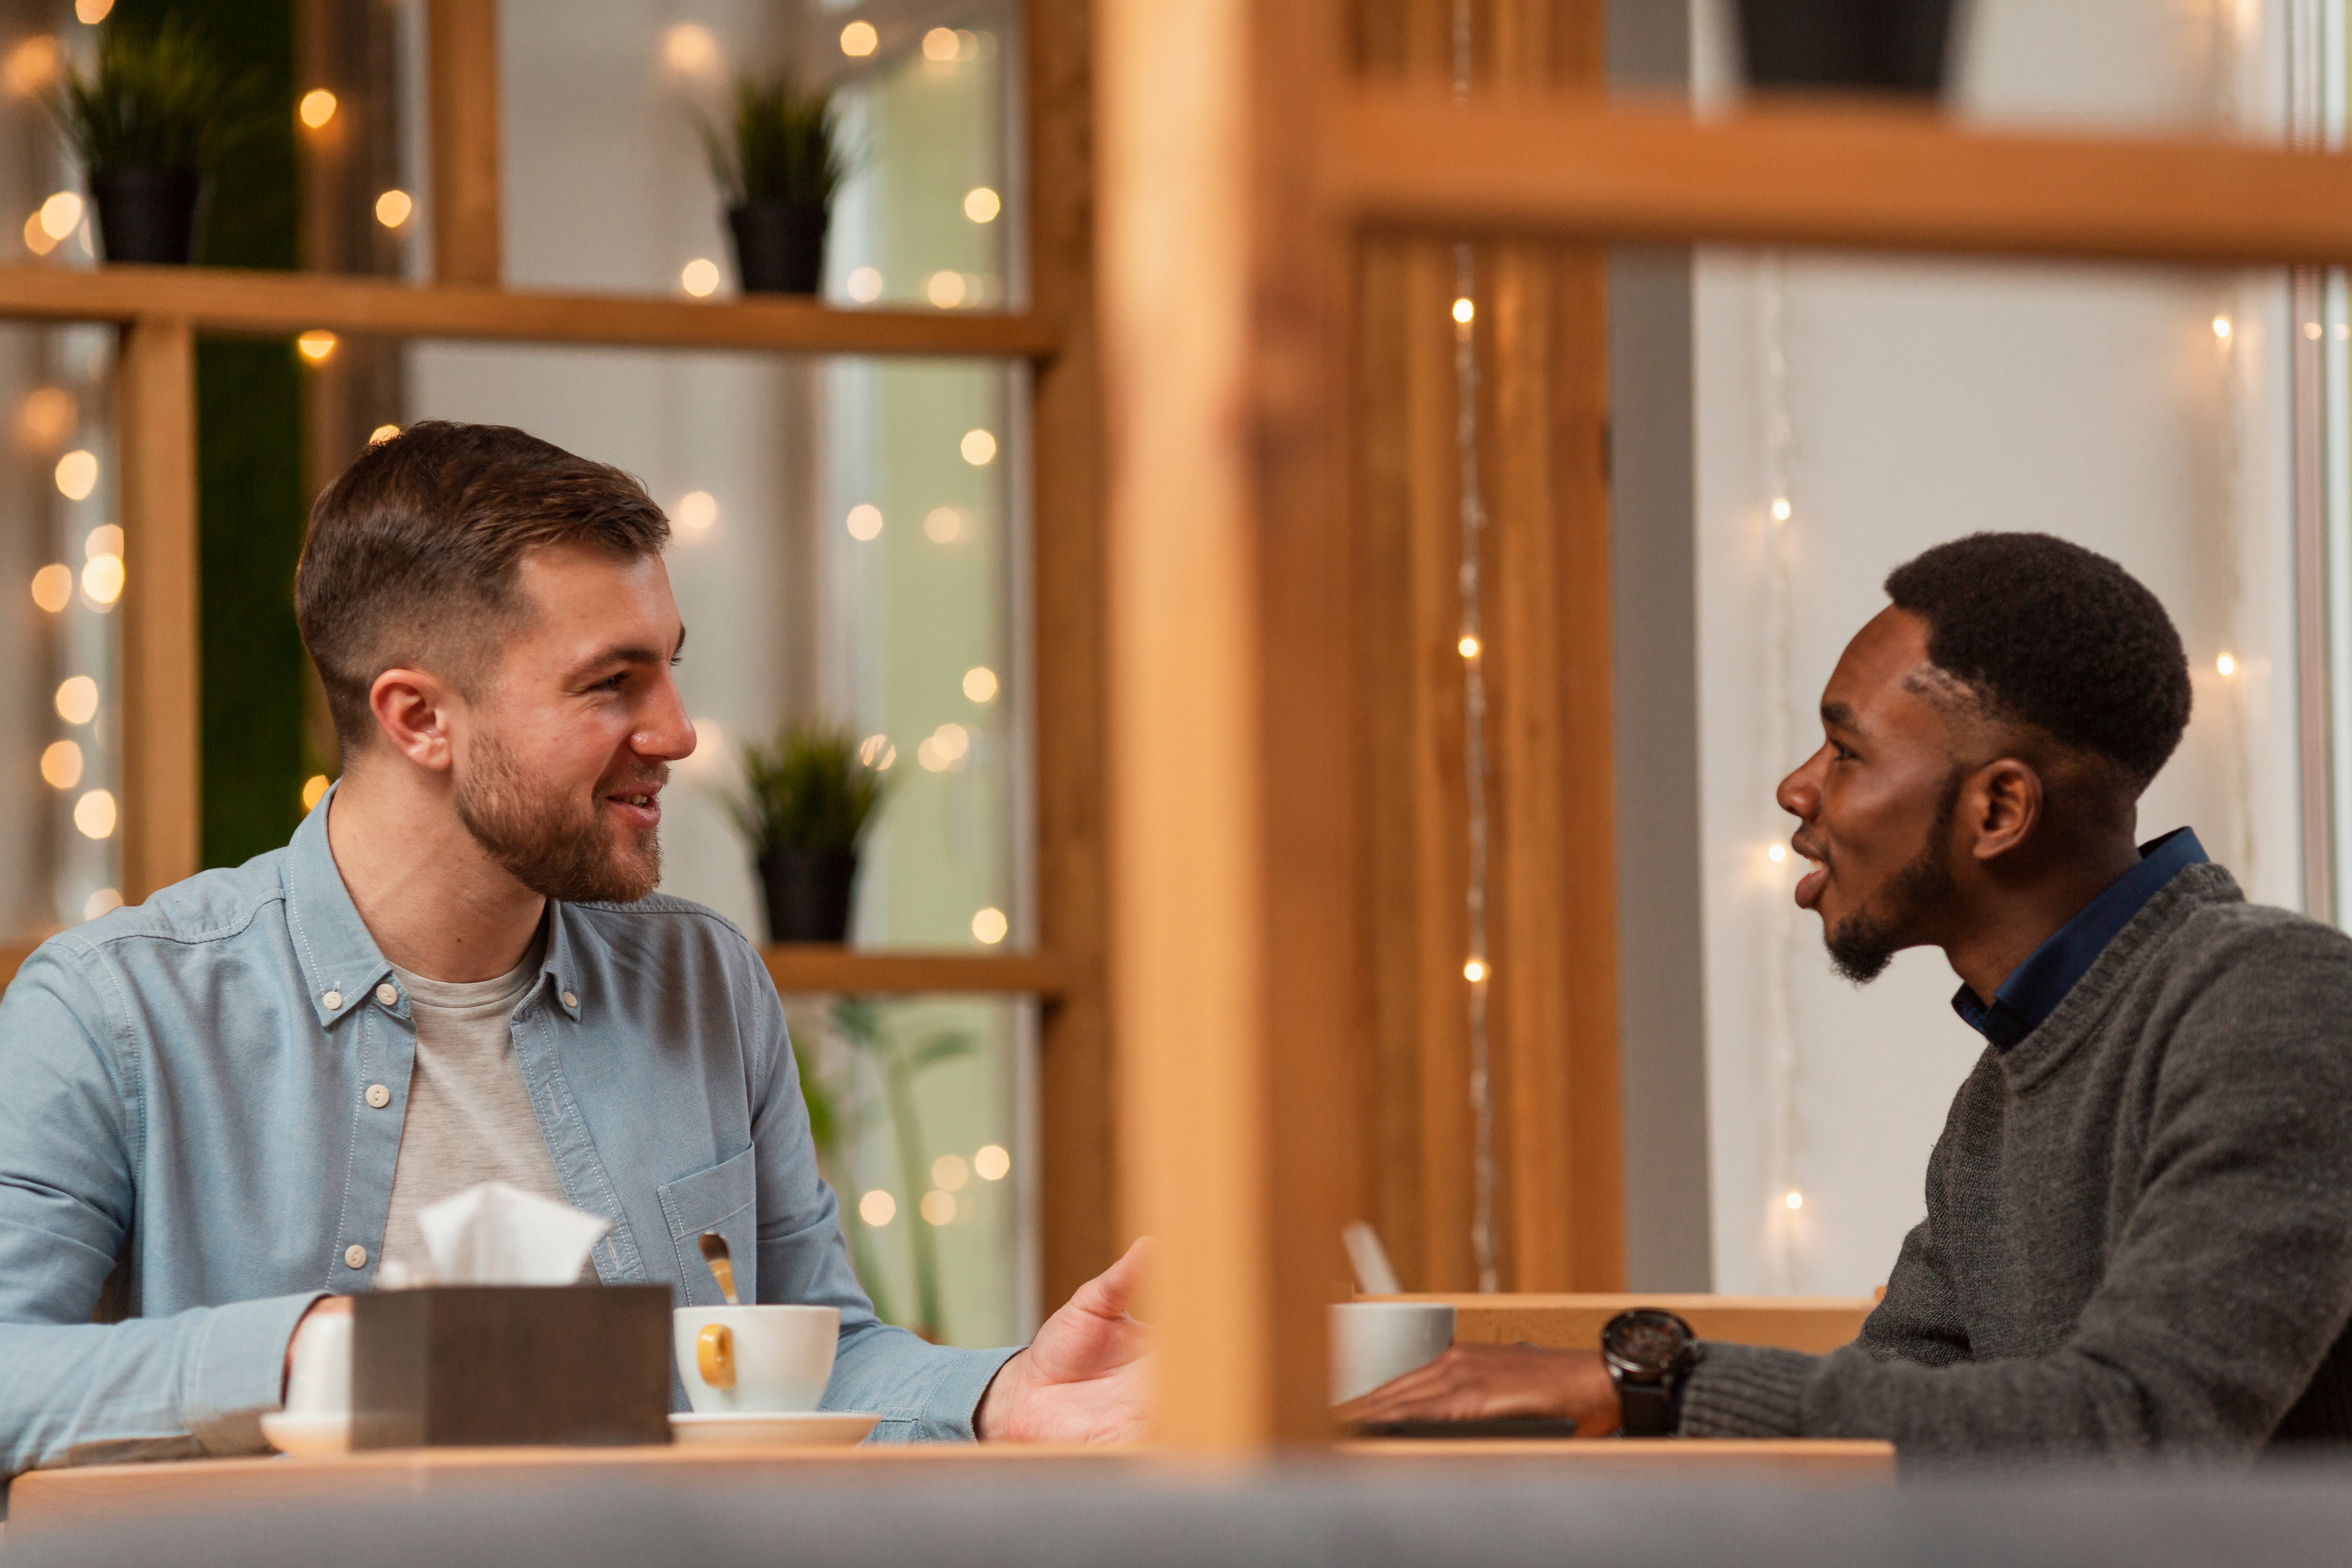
column 325, row 1307
column 1086, row 1378
column 1478, row 1382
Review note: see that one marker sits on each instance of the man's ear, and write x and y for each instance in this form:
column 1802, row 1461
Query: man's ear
column 412, row 709
column 2004, row 804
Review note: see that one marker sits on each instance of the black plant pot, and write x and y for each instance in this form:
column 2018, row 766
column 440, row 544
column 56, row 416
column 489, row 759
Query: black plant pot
column 148, row 214
column 808, row 893
column 1856, row 46
column 780, row 246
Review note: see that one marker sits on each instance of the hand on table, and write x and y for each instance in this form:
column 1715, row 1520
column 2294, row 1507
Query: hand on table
column 1475, row 1383
column 1086, row 1378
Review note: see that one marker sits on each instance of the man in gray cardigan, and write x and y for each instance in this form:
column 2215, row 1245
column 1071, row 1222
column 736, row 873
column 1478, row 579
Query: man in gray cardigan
column 2138, row 1237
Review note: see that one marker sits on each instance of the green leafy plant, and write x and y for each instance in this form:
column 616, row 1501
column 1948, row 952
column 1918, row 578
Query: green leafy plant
column 808, row 788
column 157, row 100
column 780, row 144
column 898, row 1063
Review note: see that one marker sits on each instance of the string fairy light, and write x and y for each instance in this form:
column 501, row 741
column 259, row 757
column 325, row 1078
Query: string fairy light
column 1476, row 970
column 1780, row 929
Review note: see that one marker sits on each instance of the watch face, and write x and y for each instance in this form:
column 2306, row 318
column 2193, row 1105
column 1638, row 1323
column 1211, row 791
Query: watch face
column 1646, row 1341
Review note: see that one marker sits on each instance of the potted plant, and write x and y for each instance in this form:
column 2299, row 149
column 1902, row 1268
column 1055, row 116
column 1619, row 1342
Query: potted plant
column 150, row 124
column 1862, row 46
column 808, row 797
column 777, row 164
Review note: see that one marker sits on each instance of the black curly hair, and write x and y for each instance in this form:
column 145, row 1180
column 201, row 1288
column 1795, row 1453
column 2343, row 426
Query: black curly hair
column 2048, row 634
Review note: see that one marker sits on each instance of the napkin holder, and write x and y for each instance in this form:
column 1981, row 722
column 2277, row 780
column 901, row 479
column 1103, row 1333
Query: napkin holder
column 470, row 1365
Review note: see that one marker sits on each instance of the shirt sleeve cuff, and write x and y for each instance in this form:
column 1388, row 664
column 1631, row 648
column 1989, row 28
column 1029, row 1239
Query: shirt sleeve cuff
column 953, row 1400
column 1747, row 1391
column 236, row 1371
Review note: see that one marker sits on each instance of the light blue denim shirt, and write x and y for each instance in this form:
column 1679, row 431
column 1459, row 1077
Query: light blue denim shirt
column 185, row 1083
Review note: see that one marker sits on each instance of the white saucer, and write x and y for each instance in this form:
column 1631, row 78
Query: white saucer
column 774, row 1428
column 307, row 1436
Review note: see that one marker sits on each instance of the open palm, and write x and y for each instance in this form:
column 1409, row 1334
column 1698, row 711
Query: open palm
column 1086, row 1378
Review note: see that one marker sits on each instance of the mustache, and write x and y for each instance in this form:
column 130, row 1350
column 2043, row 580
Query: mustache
column 1803, row 842
column 654, row 778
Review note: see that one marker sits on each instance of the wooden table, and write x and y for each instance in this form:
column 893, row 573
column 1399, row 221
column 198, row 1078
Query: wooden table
column 53, row 1499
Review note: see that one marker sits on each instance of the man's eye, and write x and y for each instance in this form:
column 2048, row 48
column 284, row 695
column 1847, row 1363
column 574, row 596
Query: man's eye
column 612, row 682
column 1844, row 752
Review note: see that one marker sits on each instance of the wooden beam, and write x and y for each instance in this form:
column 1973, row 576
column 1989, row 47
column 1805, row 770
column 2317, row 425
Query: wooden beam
column 816, row 967
column 1077, row 1190
column 462, row 51
column 155, row 389
column 276, row 304
column 1868, row 177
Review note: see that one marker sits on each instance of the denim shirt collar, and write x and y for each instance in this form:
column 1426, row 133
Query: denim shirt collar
column 339, row 956
column 2034, row 988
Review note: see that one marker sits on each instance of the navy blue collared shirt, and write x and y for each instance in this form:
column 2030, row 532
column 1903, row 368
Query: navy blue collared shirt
column 2034, row 988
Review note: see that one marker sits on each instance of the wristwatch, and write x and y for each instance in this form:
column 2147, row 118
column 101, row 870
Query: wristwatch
column 1649, row 1353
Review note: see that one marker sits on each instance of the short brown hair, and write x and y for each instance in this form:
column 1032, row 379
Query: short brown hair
column 413, row 552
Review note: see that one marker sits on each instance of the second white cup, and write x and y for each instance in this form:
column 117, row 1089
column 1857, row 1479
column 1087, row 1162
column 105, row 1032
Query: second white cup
column 743, row 1359
column 1373, row 1342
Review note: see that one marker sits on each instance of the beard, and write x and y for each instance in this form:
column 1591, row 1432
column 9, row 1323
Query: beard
column 1863, row 943
column 551, row 841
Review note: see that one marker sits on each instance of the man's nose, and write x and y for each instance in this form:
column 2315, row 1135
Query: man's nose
column 668, row 732
column 1800, row 794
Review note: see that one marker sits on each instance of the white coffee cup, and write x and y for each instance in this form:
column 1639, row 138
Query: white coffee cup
column 742, row 1359
column 320, row 1383
column 1373, row 1341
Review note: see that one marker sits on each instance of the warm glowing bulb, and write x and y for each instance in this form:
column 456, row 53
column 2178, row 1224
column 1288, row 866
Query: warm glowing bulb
column 77, row 475
column 864, row 522
column 106, row 539
column 1781, row 510
column 1795, row 1200
column 699, row 277
column 1475, row 970
column 696, row 513
column 91, row 13
column 48, row 416
column 382, row 433
column 1465, row 311
column 392, row 207
column 689, row 47
column 2221, row 327
column 31, row 66
column 877, row 753
column 316, row 347
column 979, row 449
column 39, row 240
column 61, row 764
column 2311, row 330
column 53, row 586
column 990, row 925
column 77, row 700
column 941, row 45
column 944, row 289
column 938, row 1208
column 876, row 1208
column 858, row 40
column 318, row 107
column 942, row 525
column 866, row 285
column 104, row 901
column 948, row 1173
column 94, row 814
column 1468, row 645
column 2226, row 665
column 980, row 683
column 982, row 205
column 991, row 1163
column 1778, row 853
column 101, row 579
column 314, row 790
column 61, row 214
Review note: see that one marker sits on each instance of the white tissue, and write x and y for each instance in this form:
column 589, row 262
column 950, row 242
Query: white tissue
column 497, row 1234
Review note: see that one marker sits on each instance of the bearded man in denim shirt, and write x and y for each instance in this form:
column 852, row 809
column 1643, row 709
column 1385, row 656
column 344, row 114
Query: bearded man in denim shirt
column 228, row 1096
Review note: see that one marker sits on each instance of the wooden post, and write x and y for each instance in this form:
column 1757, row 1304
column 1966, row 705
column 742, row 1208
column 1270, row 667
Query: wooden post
column 1237, row 980
column 462, row 47
column 155, row 386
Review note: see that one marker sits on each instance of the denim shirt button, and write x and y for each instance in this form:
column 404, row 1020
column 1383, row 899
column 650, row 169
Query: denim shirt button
column 378, row 1096
column 570, row 999
column 333, row 999
column 387, row 995
column 355, row 1256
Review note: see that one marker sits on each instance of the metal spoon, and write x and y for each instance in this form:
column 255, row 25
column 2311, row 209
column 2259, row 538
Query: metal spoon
column 714, row 1252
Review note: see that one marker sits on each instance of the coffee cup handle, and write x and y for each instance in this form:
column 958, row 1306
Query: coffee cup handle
column 714, row 1356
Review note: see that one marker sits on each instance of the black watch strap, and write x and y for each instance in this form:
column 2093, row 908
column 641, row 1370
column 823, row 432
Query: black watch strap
column 1645, row 1409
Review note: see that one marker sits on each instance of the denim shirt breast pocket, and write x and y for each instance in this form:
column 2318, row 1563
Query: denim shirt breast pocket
column 724, row 1198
